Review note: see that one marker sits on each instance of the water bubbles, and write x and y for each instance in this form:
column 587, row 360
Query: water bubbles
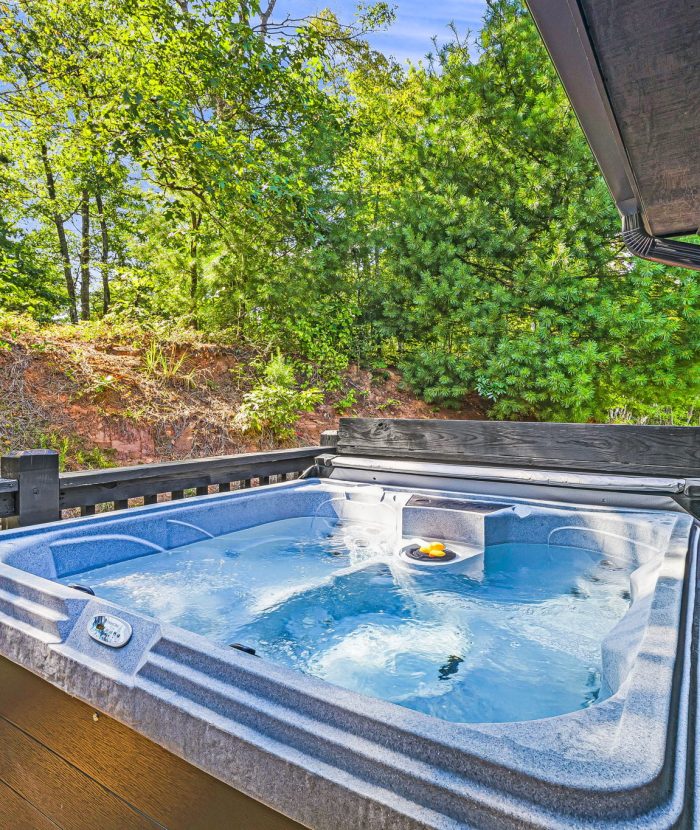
column 321, row 595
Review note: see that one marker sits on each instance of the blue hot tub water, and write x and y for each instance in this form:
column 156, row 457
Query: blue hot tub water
column 520, row 641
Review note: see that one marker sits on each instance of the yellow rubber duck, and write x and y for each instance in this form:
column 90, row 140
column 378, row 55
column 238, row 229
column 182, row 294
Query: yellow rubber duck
column 435, row 550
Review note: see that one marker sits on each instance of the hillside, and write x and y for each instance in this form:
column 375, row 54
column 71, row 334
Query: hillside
column 102, row 397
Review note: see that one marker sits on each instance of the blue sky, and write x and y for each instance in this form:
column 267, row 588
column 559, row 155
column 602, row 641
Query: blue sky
column 416, row 21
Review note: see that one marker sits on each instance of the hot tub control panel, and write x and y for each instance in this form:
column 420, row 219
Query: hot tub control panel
column 109, row 630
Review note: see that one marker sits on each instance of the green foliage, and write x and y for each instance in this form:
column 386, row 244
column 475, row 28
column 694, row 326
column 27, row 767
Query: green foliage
column 286, row 189
column 272, row 407
column 163, row 365
column 319, row 339
column 501, row 270
column 440, row 377
column 166, row 366
column 346, row 403
column 27, row 283
column 72, row 452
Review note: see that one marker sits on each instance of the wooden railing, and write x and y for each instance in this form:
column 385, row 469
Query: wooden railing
column 598, row 448
column 32, row 490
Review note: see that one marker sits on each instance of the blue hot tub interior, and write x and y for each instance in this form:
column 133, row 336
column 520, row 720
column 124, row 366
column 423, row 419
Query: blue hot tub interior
column 519, row 626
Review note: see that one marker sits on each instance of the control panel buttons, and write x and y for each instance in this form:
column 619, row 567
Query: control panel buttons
column 109, row 630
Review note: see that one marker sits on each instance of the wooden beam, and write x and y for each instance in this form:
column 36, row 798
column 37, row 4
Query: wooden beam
column 8, row 497
column 611, row 448
column 329, row 438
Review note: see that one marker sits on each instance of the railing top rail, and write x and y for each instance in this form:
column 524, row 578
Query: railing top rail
column 38, row 493
column 173, row 469
column 619, row 448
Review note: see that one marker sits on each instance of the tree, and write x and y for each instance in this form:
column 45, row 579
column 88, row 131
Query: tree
column 502, row 268
column 280, row 183
column 58, row 84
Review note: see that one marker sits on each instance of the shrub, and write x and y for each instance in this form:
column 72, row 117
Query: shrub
column 271, row 409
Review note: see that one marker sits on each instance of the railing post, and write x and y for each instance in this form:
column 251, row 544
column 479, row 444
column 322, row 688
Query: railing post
column 329, row 438
column 37, row 499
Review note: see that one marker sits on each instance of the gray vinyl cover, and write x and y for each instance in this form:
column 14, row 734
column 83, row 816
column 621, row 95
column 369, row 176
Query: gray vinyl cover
column 632, row 71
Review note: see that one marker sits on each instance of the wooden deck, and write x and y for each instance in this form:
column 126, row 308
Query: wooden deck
column 64, row 765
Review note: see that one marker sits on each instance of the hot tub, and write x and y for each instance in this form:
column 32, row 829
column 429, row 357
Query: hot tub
column 380, row 654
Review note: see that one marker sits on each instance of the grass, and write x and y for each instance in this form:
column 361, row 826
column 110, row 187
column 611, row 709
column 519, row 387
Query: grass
column 168, row 367
column 21, row 433
column 73, row 454
column 655, row 415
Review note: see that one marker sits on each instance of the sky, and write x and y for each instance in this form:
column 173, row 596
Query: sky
column 417, row 21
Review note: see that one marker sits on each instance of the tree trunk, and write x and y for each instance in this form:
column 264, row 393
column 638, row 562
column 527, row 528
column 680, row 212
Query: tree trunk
column 85, row 255
column 196, row 221
column 61, row 233
column 104, row 253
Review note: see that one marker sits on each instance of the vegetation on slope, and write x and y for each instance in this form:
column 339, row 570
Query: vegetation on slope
column 105, row 394
column 198, row 172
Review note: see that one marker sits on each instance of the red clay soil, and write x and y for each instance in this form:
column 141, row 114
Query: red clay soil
column 100, row 394
column 384, row 398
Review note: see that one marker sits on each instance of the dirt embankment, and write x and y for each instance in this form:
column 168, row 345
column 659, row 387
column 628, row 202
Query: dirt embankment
column 103, row 400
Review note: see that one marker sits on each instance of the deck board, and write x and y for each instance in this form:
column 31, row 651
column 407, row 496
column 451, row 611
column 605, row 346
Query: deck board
column 17, row 813
column 153, row 781
column 55, row 787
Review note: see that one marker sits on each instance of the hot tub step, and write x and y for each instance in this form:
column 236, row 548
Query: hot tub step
column 27, row 588
column 37, row 615
column 328, row 780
